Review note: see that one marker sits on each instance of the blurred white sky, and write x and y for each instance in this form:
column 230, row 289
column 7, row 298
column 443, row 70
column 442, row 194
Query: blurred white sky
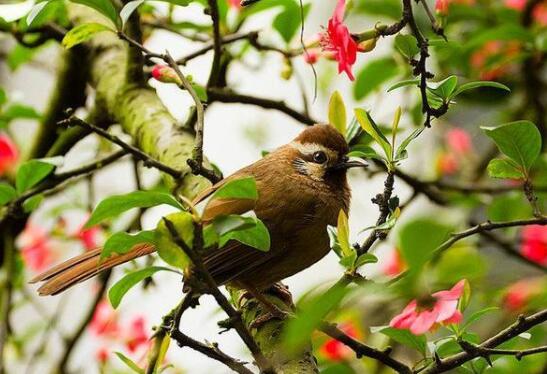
column 228, row 145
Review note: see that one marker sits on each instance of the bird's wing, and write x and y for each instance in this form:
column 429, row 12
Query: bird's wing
column 227, row 263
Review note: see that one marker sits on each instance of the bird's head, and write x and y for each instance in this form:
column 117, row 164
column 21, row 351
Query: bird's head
column 320, row 152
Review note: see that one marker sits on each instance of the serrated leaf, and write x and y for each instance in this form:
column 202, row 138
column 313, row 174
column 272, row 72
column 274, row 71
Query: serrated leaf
column 407, row 45
column 520, row 141
column 121, row 287
column 404, row 83
column 7, row 193
column 105, row 7
column 82, row 33
column 504, row 168
column 472, row 85
column 368, row 125
column 337, row 112
column 130, row 364
column 122, row 242
column 31, row 173
column 118, row 204
column 404, row 337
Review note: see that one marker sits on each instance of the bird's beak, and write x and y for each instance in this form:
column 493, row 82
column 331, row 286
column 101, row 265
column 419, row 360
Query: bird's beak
column 346, row 163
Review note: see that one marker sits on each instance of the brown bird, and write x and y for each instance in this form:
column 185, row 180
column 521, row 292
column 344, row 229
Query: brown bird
column 302, row 187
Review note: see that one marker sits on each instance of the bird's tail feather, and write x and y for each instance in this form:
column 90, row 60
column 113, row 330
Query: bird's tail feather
column 83, row 267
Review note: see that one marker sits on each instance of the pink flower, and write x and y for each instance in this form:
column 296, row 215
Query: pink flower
column 338, row 39
column 459, row 141
column 447, row 164
column 442, row 308
column 236, row 4
column 137, row 335
column 394, row 264
column 441, row 7
column 534, row 243
column 105, row 321
column 334, row 350
column 91, row 238
column 102, row 355
column 165, row 74
column 9, row 154
column 519, row 294
column 36, row 247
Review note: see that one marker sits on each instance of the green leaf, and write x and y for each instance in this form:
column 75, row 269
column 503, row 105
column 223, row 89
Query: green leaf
column 445, row 88
column 373, row 75
column 128, row 9
column 342, row 231
column 366, row 258
column 121, row 287
column 168, row 250
column 16, row 110
column 503, row 168
column 37, row 10
column 105, row 7
column 363, row 151
column 7, row 193
column 520, row 141
column 164, row 347
column 337, row 112
column 353, row 130
column 126, row 360
column 241, row 188
column 33, row 203
column 225, row 224
column 122, row 242
column 118, row 204
column 419, row 238
column 401, row 150
column 472, row 85
column 311, row 313
column 404, row 337
column 201, row 92
column 408, row 82
column 288, row 22
column 19, row 55
column 478, row 315
column 407, row 45
column 31, row 173
column 368, row 125
column 256, row 236
column 82, row 33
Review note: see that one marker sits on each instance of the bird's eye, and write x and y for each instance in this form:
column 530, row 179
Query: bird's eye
column 319, row 157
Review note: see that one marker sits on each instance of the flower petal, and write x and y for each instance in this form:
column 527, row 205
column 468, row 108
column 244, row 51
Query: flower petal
column 453, row 294
column 424, row 322
column 445, row 309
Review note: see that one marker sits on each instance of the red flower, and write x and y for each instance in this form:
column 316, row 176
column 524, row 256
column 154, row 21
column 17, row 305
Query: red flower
column 519, row 294
column 493, row 59
column 441, row 7
column 338, row 39
column 444, row 310
column 102, row 355
column 459, row 141
column 534, row 243
column 165, row 74
column 334, row 350
column 447, row 164
column 36, row 247
column 104, row 321
column 394, row 264
column 137, row 335
column 8, row 154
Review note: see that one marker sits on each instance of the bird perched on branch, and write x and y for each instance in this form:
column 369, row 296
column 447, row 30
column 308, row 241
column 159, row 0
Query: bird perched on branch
column 301, row 186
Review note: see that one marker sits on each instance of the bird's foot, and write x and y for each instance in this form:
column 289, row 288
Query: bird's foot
column 268, row 316
column 282, row 291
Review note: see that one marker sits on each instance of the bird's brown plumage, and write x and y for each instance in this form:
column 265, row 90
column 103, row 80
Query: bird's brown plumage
column 295, row 208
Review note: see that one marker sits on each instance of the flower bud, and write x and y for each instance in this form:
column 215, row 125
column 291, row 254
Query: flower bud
column 286, row 72
column 367, row 45
column 165, row 74
column 441, row 7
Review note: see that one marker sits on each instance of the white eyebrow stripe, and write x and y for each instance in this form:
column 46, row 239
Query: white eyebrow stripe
column 311, row 148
